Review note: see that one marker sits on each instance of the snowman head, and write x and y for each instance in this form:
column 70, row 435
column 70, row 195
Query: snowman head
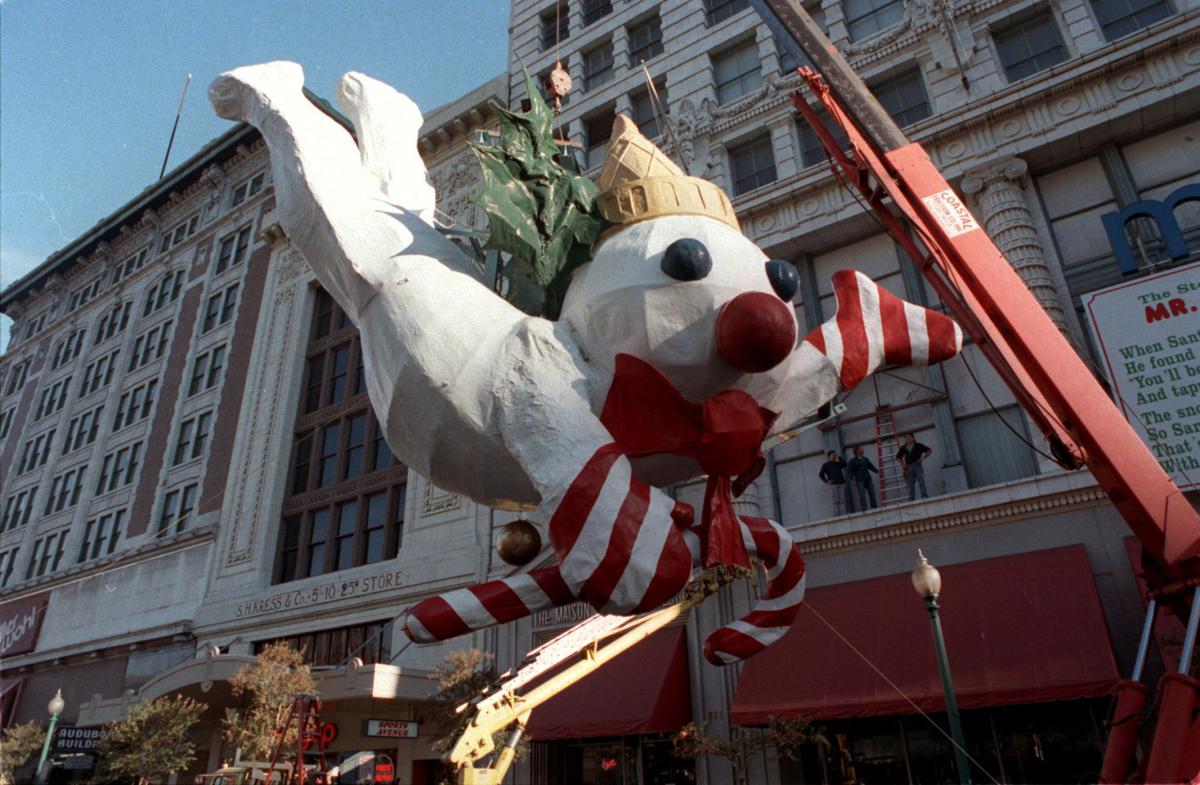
column 674, row 282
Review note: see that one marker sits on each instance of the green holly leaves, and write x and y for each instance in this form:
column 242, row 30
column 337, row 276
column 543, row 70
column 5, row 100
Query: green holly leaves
column 544, row 216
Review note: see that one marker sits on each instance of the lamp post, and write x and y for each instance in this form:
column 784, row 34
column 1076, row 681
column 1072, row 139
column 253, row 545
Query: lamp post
column 928, row 583
column 55, row 707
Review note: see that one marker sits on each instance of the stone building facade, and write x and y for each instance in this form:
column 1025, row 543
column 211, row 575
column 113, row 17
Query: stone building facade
column 1045, row 116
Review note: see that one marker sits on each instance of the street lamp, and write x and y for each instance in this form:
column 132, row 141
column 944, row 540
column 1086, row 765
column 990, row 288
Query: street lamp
column 928, row 583
column 55, row 707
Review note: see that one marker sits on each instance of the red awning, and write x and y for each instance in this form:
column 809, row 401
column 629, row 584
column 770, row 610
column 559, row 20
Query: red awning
column 643, row 690
column 1018, row 629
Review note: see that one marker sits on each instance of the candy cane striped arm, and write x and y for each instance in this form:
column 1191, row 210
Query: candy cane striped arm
column 873, row 327
column 772, row 615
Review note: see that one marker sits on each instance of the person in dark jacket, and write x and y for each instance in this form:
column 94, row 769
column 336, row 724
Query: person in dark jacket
column 911, row 456
column 833, row 474
column 860, row 469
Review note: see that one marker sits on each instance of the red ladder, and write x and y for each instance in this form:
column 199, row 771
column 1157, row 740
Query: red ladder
column 305, row 714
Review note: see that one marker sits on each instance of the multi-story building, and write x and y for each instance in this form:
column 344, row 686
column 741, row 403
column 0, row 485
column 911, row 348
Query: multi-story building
column 192, row 469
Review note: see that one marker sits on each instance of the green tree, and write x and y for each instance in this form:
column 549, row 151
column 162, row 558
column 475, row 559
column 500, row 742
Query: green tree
column 17, row 746
column 153, row 739
column 461, row 676
column 786, row 736
column 271, row 686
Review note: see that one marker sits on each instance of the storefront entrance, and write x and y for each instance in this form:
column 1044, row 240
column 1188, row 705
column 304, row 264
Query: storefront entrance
column 627, row 760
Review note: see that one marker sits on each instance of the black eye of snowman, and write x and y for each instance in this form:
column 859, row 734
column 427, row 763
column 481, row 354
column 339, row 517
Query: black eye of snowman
column 784, row 279
column 686, row 260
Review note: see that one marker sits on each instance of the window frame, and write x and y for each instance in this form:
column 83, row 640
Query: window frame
column 237, row 243
column 1010, row 28
column 638, row 53
column 752, row 146
column 735, row 53
column 103, row 530
column 595, row 78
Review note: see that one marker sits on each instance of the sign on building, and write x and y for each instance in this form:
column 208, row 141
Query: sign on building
column 391, row 729
column 1148, row 335
column 20, row 623
column 69, row 739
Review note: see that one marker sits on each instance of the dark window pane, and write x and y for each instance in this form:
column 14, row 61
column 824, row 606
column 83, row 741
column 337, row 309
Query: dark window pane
column 312, row 393
column 329, row 448
column 355, row 450
column 341, row 366
column 316, row 542
column 344, row 544
column 301, row 463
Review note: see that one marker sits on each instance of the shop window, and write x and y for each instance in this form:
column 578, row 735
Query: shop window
column 1030, row 47
column 753, row 164
column 36, row 451
column 67, row 349
column 119, row 468
column 646, row 114
column 178, row 507
column 98, row 374
column 150, row 346
column 164, row 293
column 598, row 66
column 597, row 132
column 113, row 322
column 595, row 10
column 995, row 447
column 1119, row 18
column 737, row 72
column 17, row 509
column 207, row 369
column 82, row 430
column 903, row 96
column 232, row 250
column 52, row 399
column 100, row 535
column 372, row 643
column 16, row 377
column 719, row 10
column 135, row 405
column 221, row 307
column 7, row 560
column 865, row 18
column 64, row 490
column 554, row 26
column 193, row 438
column 645, row 41
column 47, row 553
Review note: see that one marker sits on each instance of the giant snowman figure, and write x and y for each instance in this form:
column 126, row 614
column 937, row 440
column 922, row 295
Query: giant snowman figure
column 675, row 356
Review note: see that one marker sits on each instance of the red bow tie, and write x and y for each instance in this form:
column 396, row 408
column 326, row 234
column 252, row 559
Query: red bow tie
column 646, row 414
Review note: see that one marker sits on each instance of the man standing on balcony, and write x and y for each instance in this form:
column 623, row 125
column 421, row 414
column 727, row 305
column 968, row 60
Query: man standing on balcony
column 910, row 456
column 860, row 469
column 833, row 474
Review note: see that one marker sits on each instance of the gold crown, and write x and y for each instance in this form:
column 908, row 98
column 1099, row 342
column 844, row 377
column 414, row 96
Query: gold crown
column 639, row 182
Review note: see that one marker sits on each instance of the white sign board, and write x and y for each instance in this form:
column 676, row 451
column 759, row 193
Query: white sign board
column 1148, row 334
column 391, row 729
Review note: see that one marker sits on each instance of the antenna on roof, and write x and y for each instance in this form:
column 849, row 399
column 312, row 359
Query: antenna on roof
column 175, row 127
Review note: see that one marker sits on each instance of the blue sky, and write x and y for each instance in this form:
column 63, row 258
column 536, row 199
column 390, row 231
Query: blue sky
column 88, row 90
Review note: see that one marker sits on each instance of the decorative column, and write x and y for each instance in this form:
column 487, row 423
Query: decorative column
column 998, row 192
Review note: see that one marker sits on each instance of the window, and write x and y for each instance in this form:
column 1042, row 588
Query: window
column 100, row 536
column 1030, row 47
column 371, row 643
column 598, row 67
column 150, row 345
column 115, row 320
column 166, row 292
column 903, row 97
column 179, row 233
column 52, row 399
column 595, row 10
column 1121, row 17
column 865, row 18
column 598, row 131
column 98, row 374
column 220, row 308
column 738, row 72
column 720, row 10
column 993, row 453
column 248, row 188
column 135, row 405
column 753, row 165
column 555, row 26
column 6, row 418
column 17, row 509
column 47, row 553
column 645, row 41
column 178, row 506
column 67, row 349
column 193, row 438
column 233, row 250
column 82, row 430
column 84, row 295
column 131, row 265
column 328, row 379
column 37, row 450
column 119, row 468
column 350, row 533
column 643, row 109
column 64, row 491
column 16, row 377
column 207, row 370
column 7, row 560
column 36, row 324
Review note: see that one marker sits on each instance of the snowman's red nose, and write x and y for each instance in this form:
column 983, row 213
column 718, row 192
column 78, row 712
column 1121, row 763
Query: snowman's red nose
column 755, row 332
